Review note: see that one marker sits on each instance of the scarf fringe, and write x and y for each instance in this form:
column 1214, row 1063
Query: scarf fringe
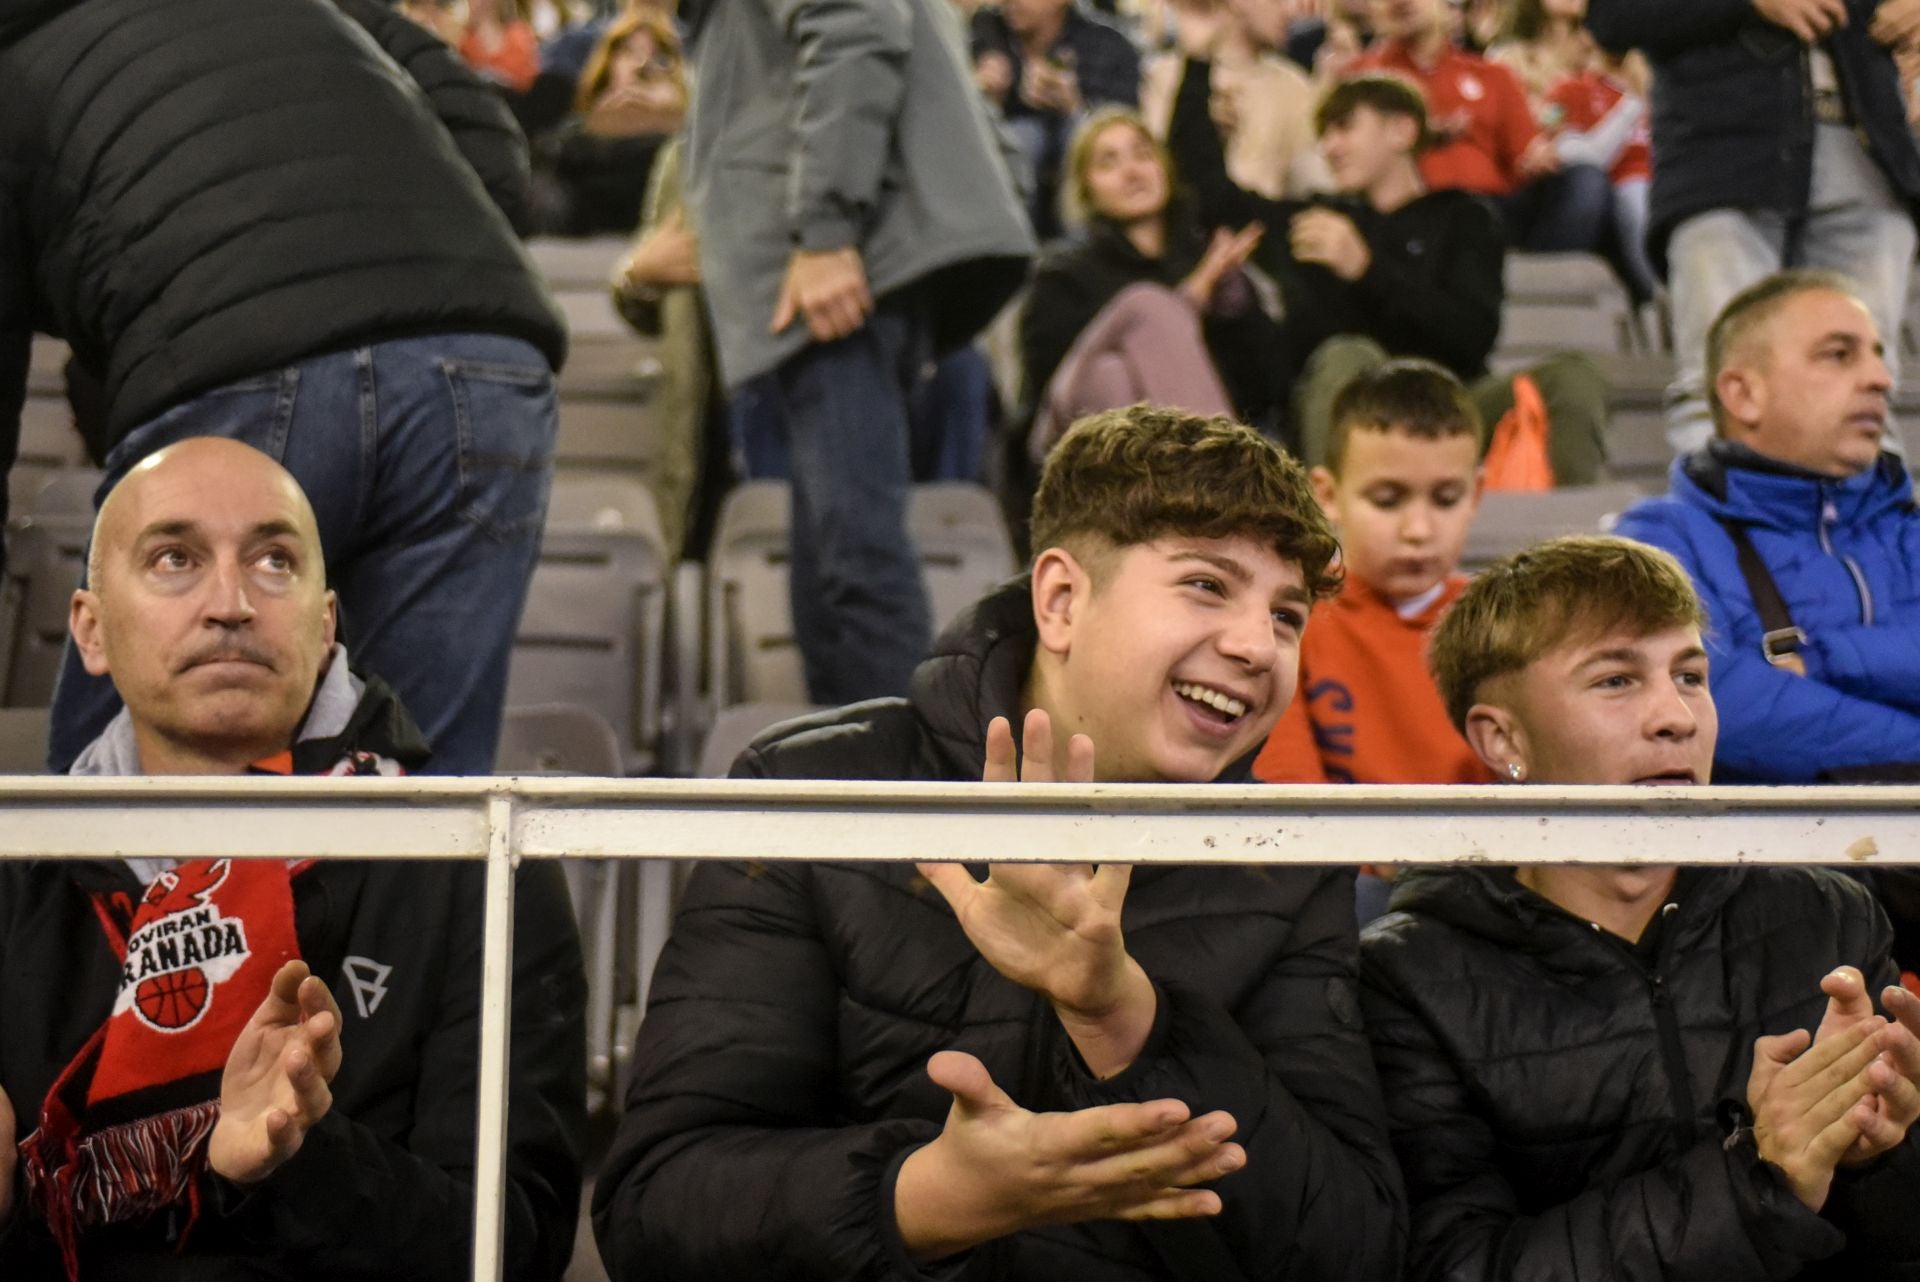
column 122, row 1173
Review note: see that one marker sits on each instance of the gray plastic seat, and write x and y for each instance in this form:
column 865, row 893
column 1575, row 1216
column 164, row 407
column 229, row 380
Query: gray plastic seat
column 593, row 631
column 1509, row 522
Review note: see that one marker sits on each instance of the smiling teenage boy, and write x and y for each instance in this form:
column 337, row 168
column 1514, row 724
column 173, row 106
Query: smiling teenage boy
column 1401, row 484
column 871, row 1072
column 1632, row 1072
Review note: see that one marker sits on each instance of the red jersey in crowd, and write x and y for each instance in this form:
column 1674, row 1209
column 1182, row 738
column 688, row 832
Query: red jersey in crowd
column 1583, row 101
column 1479, row 110
column 1366, row 710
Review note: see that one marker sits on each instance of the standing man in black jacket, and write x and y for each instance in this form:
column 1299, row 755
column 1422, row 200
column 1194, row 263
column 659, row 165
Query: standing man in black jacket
column 863, row 1072
column 1781, row 132
column 266, row 219
column 1639, row 1074
column 220, row 1070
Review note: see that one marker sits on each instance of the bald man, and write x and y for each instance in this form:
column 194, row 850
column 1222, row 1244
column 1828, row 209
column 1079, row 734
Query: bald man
column 243, row 1068
column 1800, row 532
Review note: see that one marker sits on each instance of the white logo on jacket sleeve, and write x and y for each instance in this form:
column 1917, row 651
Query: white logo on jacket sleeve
column 367, row 979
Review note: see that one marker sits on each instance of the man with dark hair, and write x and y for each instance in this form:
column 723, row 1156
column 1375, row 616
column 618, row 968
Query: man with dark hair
column 1386, row 268
column 272, row 225
column 1782, row 137
column 1155, row 1074
column 1045, row 63
column 1802, row 536
column 190, row 1099
column 1644, row 1073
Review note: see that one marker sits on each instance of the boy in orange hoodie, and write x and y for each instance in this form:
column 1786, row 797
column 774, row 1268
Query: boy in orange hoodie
column 1401, row 483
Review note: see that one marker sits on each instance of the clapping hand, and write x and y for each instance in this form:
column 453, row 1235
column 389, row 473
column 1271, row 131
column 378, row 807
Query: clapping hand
column 1055, row 928
column 997, row 1168
column 1896, row 23
column 275, row 1088
column 1812, row 1101
column 1894, row 1075
column 1225, row 253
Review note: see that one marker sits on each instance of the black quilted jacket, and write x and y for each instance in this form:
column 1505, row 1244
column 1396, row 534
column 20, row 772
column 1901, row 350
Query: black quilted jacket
column 779, row 1078
column 1562, row 1105
column 195, row 191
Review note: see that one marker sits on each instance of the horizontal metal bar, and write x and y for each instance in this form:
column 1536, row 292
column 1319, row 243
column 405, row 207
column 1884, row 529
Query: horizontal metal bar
column 1134, row 823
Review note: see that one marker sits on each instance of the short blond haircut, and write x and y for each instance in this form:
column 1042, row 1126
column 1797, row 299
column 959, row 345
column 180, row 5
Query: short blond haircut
column 1555, row 593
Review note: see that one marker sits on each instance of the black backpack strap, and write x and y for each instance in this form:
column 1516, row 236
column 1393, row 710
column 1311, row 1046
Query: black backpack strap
column 1782, row 641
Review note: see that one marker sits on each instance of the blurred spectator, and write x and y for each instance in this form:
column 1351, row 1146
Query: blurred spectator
column 1143, row 307
column 1802, row 537
column 1594, row 107
column 1262, row 103
column 1326, row 35
column 1485, row 138
column 1480, row 22
column 327, row 280
column 632, row 96
column 1401, row 485
column 656, row 287
column 1386, row 268
column 497, row 40
column 1782, row 141
column 1043, row 63
column 857, row 217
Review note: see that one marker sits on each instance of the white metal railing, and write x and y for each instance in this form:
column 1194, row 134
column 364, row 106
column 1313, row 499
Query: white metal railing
column 503, row 821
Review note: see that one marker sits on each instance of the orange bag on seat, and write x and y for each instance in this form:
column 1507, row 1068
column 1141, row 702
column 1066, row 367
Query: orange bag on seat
column 1517, row 458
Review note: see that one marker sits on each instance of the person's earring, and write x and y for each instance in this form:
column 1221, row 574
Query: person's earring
column 1515, row 771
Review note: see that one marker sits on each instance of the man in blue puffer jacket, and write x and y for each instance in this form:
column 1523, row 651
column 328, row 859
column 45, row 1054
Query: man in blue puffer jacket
column 1799, row 392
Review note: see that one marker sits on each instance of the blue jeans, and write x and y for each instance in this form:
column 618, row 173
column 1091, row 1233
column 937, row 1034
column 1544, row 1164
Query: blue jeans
column 1560, row 213
column 860, row 610
column 427, row 461
column 1854, row 224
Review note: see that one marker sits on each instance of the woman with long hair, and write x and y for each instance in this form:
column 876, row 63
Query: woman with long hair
column 1141, row 307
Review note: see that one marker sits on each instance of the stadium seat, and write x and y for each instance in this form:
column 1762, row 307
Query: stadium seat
column 1562, row 302
column 23, row 741
column 576, row 264
column 593, row 630
column 46, row 553
column 562, row 739
column 1511, row 521
column 957, row 530
column 735, row 727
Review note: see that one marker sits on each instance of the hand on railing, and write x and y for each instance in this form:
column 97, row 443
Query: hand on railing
column 275, row 1087
column 998, row 1169
column 1055, row 928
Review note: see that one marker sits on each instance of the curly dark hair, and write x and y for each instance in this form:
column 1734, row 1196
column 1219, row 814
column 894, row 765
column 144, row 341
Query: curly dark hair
column 1130, row 476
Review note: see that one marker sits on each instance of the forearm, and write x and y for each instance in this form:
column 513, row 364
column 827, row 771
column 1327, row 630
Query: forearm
column 1317, row 1157
column 1879, row 664
column 1110, row 1039
column 1201, row 159
column 352, row 1204
column 747, row 1201
column 1601, row 145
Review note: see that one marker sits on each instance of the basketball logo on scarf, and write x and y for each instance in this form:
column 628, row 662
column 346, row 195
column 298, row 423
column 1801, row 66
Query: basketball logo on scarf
column 180, row 948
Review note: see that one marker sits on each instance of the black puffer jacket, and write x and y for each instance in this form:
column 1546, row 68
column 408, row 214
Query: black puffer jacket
column 197, row 191
column 779, row 1078
column 1733, row 119
column 1561, row 1108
